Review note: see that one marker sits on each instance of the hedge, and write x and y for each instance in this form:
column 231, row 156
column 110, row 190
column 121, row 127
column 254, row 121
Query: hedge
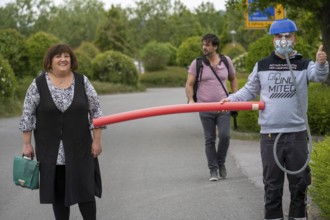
column 8, row 82
column 189, row 50
column 155, row 56
column 115, row 67
column 320, row 165
column 38, row 45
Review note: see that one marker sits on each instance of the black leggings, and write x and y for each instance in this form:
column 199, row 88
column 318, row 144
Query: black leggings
column 62, row 212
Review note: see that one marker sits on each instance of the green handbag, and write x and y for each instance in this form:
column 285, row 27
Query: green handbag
column 26, row 172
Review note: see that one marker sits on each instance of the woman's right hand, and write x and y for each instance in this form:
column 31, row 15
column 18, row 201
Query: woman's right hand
column 28, row 150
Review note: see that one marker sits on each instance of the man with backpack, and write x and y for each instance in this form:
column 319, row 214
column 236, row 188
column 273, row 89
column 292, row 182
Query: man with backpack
column 206, row 82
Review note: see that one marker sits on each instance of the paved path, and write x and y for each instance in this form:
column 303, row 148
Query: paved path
column 153, row 168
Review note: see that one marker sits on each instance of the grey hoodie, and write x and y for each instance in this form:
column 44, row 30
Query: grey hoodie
column 271, row 79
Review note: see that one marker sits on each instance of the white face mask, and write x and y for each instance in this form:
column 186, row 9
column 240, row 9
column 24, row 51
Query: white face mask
column 283, row 46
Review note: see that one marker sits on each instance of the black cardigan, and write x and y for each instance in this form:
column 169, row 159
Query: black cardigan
column 83, row 179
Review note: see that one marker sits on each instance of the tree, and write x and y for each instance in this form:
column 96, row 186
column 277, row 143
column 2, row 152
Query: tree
column 76, row 21
column 183, row 25
column 6, row 17
column 211, row 21
column 112, row 33
column 317, row 10
column 73, row 22
column 148, row 22
column 13, row 48
column 166, row 21
column 25, row 13
column 234, row 20
column 154, row 14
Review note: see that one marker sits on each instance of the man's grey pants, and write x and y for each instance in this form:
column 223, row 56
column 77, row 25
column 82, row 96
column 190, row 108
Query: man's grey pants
column 211, row 121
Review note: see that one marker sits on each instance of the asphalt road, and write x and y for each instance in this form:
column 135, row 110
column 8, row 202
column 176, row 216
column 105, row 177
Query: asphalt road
column 152, row 169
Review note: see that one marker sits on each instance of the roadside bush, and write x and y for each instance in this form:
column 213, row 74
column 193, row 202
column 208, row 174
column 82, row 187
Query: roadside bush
column 84, row 64
column 169, row 77
column 89, row 49
column 155, row 56
column 319, row 109
column 37, row 46
column 233, row 51
column 239, row 63
column 258, row 50
column 247, row 121
column 24, row 84
column 115, row 67
column 189, row 50
column 304, row 48
column 8, row 82
column 320, row 165
column 13, row 48
column 173, row 50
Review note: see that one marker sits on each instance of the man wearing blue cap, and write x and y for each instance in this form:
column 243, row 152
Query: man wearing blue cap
column 281, row 80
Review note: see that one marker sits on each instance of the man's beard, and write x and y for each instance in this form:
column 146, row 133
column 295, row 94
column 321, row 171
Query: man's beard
column 206, row 53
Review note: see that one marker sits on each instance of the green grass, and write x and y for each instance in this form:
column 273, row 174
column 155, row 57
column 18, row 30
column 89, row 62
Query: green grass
column 110, row 88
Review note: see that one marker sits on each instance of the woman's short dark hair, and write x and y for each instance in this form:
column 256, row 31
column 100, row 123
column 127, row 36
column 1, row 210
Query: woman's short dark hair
column 211, row 38
column 58, row 49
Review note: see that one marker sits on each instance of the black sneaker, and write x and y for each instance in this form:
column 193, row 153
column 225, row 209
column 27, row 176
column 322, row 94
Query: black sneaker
column 214, row 176
column 222, row 171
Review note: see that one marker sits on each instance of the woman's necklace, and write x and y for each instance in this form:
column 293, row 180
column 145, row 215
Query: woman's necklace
column 61, row 81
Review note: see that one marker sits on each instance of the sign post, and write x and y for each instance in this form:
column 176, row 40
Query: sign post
column 262, row 19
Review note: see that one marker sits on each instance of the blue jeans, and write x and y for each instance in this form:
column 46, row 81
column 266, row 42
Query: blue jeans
column 210, row 121
column 292, row 154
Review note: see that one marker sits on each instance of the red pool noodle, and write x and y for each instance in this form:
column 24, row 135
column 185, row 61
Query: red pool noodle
column 174, row 109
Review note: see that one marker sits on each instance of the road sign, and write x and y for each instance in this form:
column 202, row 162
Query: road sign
column 262, row 19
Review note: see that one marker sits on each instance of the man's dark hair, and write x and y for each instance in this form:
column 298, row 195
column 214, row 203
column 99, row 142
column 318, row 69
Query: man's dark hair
column 211, row 38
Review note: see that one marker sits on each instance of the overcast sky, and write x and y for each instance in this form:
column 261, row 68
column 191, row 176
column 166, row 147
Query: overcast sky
column 191, row 4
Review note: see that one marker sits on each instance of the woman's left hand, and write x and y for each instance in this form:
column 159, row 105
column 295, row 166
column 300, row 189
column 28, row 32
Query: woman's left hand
column 96, row 149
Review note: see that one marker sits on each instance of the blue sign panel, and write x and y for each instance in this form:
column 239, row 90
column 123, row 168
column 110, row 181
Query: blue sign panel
column 264, row 15
column 262, row 19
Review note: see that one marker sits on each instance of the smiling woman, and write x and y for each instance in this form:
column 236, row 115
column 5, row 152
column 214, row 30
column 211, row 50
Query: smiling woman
column 59, row 106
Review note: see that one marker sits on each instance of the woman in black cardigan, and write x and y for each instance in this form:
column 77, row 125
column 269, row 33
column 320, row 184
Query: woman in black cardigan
column 59, row 108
